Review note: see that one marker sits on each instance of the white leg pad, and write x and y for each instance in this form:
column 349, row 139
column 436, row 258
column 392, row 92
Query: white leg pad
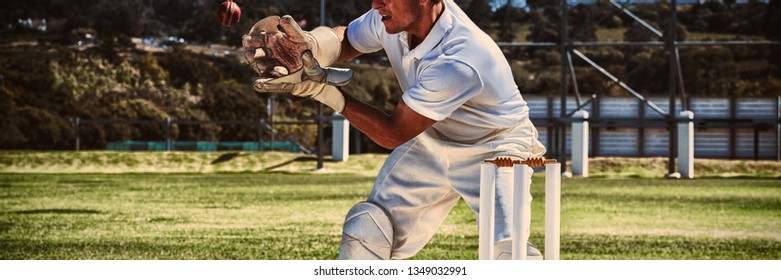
column 367, row 233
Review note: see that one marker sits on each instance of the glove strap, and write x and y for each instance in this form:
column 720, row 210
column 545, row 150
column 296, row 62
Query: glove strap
column 329, row 95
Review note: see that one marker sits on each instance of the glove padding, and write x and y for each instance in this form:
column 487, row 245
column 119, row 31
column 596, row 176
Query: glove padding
column 321, row 84
column 275, row 53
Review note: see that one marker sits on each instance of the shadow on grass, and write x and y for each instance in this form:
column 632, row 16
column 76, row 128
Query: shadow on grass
column 57, row 211
column 297, row 159
column 225, row 158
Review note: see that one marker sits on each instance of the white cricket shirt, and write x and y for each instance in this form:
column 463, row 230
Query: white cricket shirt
column 457, row 76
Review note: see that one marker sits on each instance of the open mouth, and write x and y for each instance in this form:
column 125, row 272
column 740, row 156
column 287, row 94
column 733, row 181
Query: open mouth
column 385, row 18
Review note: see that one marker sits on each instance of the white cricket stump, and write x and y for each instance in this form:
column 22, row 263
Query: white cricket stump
column 521, row 217
column 686, row 144
column 580, row 143
column 340, row 146
column 552, row 211
column 486, row 224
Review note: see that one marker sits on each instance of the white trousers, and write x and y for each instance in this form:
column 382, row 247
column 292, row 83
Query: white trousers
column 423, row 179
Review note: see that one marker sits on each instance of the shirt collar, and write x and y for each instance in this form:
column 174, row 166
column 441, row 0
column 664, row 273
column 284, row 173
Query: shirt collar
column 438, row 31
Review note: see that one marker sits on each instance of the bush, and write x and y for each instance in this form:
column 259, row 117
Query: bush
column 547, row 58
column 648, row 68
column 194, row 132
column 376, row 86
column 11, row 136
column 43, row 130
column 138, row 109
column 229, row 100
column 92, row 76
column 709, row 70
column 638, row 33
column 185, row 67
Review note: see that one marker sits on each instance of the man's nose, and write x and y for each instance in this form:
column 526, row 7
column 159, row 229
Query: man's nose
column 377, row 4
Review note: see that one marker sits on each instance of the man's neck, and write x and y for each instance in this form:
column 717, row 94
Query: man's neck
column 428, row 20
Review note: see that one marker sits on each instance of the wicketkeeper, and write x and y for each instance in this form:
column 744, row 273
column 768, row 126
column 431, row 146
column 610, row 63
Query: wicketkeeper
column 460, row 106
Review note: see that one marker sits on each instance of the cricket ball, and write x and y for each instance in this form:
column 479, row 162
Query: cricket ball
column 229, row 13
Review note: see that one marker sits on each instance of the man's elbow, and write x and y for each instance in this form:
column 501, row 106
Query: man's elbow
column 390, row 144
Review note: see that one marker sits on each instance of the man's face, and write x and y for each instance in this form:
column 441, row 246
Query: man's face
column 398, row 15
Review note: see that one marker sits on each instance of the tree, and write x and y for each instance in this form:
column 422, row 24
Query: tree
column 648, row 66
column 229, row 100
column 712, row 70
column 118, row 17
column 138, row 109
column 638, row 33
column 505, row 16
column 543, row 29
column 203, row 26
column 184, row 67
column 770, row 28
column 194, row 132
column 347, row 11
column 42, row 129
column 480, row 12
column 650, row 12
column 540, row 5
column 11, row 137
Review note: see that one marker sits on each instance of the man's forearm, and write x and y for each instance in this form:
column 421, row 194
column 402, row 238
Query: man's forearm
column 348, row 51
column 370, row 120
column 389, row 131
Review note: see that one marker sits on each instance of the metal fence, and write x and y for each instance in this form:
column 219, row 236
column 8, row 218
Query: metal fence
column 729, row 128
column 568, row 48
column 268, row 137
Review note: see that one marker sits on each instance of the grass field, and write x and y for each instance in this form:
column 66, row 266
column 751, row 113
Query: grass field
column 280, row 209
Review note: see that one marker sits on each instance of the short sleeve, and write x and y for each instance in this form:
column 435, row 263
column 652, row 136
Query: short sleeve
column 442, row 88
column 364, row 32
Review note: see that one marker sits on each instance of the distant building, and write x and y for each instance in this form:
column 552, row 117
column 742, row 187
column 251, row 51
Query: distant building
column 29, row 23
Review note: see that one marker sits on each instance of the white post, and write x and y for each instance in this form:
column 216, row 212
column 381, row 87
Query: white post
column 340, row 147
column 686, row 144
column 521, row 218
column 552, row 210
column 580, row 143
column 486, row 216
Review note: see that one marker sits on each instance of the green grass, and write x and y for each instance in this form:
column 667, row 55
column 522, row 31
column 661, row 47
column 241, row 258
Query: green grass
column 70, row 162
column 281, row 215
column 174, row 216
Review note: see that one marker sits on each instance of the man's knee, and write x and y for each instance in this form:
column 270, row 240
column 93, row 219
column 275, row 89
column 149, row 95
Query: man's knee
column 367, row 233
